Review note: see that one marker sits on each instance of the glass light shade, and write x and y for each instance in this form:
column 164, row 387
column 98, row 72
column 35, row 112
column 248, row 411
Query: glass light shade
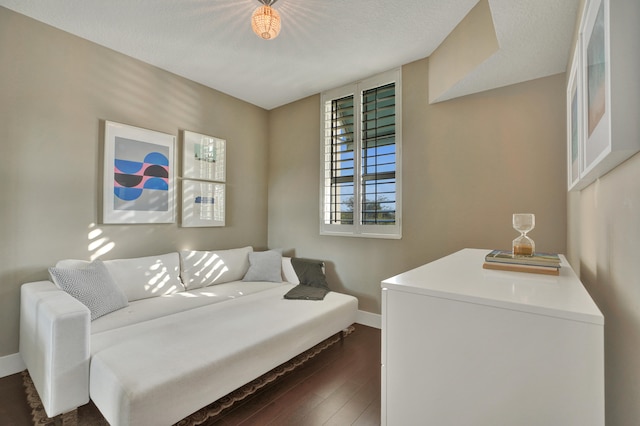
column 265, row 22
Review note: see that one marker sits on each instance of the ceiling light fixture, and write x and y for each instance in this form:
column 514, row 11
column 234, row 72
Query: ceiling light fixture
column 265, row 20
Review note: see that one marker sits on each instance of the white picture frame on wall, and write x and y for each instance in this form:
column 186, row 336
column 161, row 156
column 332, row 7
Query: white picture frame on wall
column 574, row 120
column 608, row 87
column 203, row 157
column 203, row 203
column 607, row 81
column 138, row 175
column 596, row 85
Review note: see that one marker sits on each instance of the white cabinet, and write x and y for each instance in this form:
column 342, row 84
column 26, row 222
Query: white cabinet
column 462, row 345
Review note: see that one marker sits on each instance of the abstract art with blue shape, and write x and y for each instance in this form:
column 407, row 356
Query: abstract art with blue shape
column 141, row 176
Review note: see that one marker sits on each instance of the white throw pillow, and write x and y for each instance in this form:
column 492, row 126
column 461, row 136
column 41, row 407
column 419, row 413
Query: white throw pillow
column 92, row 286
column 265, row 266
column 144, row 277
column 204, row 268
column 288, row 273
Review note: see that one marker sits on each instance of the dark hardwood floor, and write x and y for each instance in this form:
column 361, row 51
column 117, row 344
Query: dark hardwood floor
column 339, row 386
column 14, row 410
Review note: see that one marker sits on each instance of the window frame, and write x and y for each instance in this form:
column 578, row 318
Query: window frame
column 357, row 229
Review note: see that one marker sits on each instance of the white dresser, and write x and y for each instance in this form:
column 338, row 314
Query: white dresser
column 466, row 346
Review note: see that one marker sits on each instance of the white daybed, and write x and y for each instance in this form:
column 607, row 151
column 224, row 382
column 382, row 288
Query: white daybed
column 191, row 332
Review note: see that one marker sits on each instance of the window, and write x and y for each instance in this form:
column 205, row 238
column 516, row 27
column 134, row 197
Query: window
column 361, row 158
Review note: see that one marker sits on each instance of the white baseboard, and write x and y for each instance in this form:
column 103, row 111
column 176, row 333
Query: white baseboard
column 369, row 319
column 11, row 364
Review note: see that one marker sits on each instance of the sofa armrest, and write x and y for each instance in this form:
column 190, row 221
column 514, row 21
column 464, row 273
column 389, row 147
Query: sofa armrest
column 55, row 333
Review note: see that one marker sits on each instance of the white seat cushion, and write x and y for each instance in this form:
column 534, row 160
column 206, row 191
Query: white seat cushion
column 148, row 309
column 160, row 371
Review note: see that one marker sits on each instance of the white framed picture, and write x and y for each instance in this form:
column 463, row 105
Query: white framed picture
column 574, row 120
column 607, row 83
column 203, row 203
column 138, row 177
column 596, row 85
column 203, row 157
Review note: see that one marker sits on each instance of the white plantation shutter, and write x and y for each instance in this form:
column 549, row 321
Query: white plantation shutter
column 361, row 158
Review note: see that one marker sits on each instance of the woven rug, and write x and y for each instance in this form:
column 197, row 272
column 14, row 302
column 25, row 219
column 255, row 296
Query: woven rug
column 89, row 415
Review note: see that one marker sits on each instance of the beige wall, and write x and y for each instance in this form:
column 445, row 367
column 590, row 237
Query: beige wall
column 56, row 89
column 606, row 216
column 604, row 229
column 472, row 42
column 463, row 168
column 468, row 165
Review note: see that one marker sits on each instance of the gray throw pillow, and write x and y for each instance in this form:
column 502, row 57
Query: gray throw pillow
column 92, row 286
column 265, row 266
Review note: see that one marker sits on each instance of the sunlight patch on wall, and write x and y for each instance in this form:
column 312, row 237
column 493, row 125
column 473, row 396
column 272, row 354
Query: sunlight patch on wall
column 98, row 244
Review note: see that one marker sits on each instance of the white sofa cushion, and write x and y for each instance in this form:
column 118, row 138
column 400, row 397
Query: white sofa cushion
column 156, row 307
column 265, row 266
column 204, row 268
column 288, row 273
column 149, row 276
column 136, row 378
column 93, row 286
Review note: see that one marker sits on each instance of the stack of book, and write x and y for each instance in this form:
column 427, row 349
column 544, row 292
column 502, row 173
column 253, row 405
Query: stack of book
column 539, row 263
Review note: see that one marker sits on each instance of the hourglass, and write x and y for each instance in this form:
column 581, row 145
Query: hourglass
column 523, row 223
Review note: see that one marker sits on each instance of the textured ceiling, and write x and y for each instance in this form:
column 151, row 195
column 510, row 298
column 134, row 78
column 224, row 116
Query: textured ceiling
column 323, row 43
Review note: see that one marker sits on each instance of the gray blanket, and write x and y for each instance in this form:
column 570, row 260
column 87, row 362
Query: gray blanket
column 305, row 292
column 313, row 283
